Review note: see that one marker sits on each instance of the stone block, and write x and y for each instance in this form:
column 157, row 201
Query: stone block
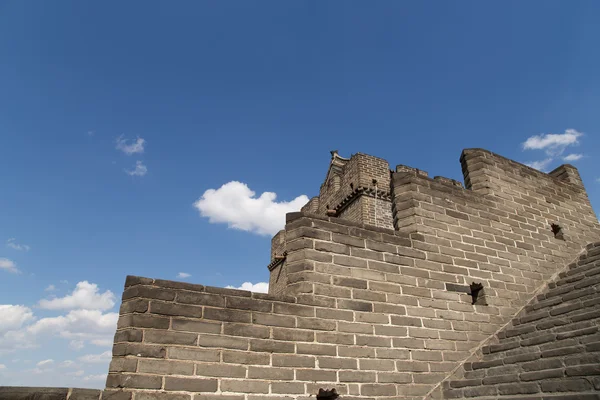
column 244, row 386
column 193, row 354
column 165, row 367
column 133, row 381
column 191, row 384
column 221, row 370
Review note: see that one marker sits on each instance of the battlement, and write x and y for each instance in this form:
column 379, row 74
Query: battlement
column 387, row 285
column 503, row 204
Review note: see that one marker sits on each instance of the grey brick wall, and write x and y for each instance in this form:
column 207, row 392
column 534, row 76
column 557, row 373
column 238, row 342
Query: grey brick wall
column 552, row 348
column 356, row 305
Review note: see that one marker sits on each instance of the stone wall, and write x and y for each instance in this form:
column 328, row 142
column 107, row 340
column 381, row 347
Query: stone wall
column 551, row 349
column 354, row 304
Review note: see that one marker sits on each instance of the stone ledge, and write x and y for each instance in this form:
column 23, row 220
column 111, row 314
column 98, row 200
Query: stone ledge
column 47, row 393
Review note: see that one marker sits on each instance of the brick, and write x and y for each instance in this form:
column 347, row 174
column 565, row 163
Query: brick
column 285, row 360
column 134, row 306
column 195, row 326
column 274, row 320
column 293, row 309
column 221, row 370
column 186, row 353
column 139, row 350
column 354, row 351
column 357, row 376
column 128, row 335
column 246, row 330
column 373, row 341
column 539, row 375
column 583, row 370
column 350, row 282
column 143, row 321
column 227, row 315
column 111, row 394
column 243, row 357
column 178, row 310
column 199, row 298
column 244, row 303
column 287, row 388
column 190, row 384
column 316, row 324
column 163, row 337
column 161, row 396
column 271, row 346
column 123, row 365
column 165, row 367
column 337, row 363
column 518, row 388
column 566, row 385
column 149, row 292
column 334, row 338
column 294, row 335
column 133, row 381
column 316, row 349
column 374, row 389
column 316, row 375
column 377, row 365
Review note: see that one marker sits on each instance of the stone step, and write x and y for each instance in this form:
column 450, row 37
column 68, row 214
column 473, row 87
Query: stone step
column 541, row 378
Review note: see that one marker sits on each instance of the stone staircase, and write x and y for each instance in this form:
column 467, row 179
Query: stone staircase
column 551, row 350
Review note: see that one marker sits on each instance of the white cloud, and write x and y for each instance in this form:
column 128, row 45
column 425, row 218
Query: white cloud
column 136, row 146
column 76, row 344
column 236, row 205
column 102, row 342
column 2, row 366
column 9, row 266
column 76, row 373
column 96, row 358
column 260, row 287
column 98, row 377
column 183, row 275
column 553, row 144
column 14, row 245
column 540, row 165
column 50, row 288
column 77, row 324
column 573, row 157
column 45, row 362
column 67, row 364
column 85, row 295
column 13, row 317
column 139, row 170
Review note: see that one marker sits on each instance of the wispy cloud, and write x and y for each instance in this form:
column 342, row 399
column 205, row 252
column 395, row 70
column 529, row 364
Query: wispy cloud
column 183, row 275
column 14, row 245
column 50, row 288
column 553, row 144
column 45, row 362
column 96, row 358
column 139, row 170
column 9, row 265
column 136, row 146
column 573, row 157
column 235, row 204
column 76, row 344
column 260, row 287
column 541, row 165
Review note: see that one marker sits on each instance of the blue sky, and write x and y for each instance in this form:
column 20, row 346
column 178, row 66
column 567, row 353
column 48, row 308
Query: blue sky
column 116, row 118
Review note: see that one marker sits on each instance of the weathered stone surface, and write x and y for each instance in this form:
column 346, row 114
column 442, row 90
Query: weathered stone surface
column 370, row 293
